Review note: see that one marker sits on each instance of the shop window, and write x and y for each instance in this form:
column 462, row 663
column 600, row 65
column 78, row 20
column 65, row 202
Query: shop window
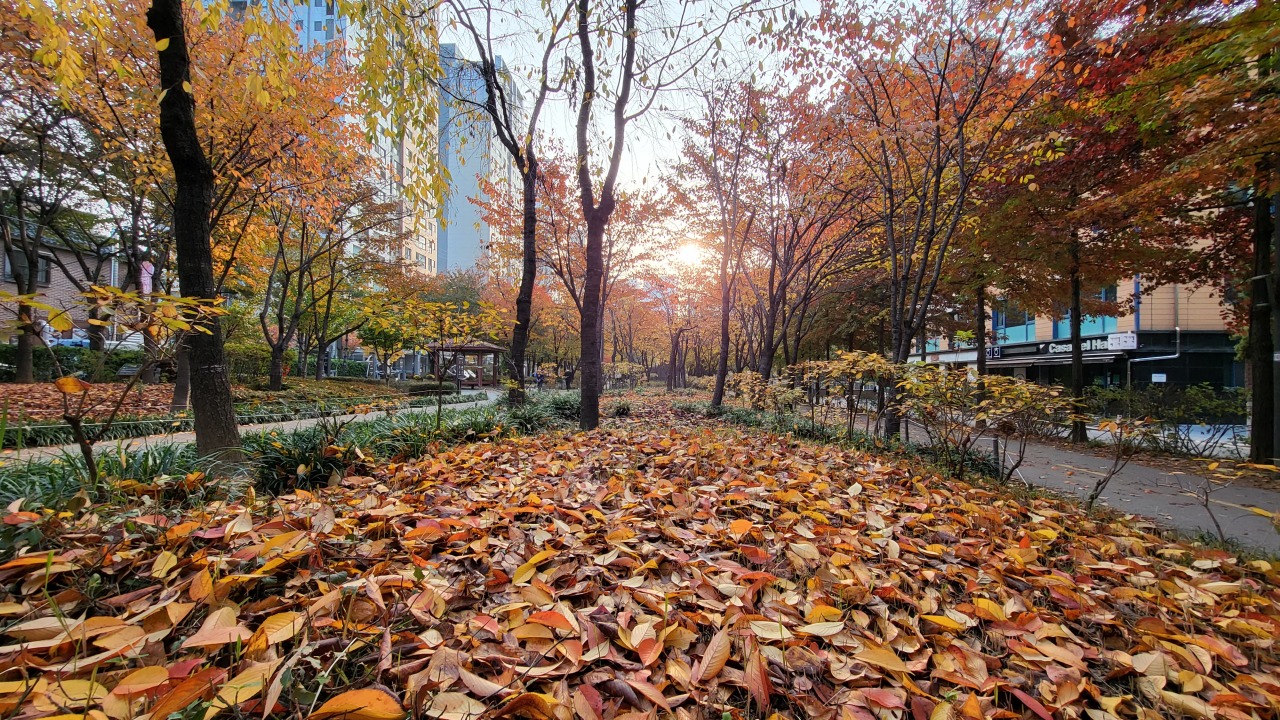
column 1011, row 323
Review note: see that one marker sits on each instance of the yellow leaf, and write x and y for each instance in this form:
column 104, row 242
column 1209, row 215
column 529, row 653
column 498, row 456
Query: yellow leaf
column 823, row 613
column 141, row 680
column 525, row 572
column 61, row 321
column 881, row 657
column 162, row 44
column 1188, row 705
column 943, row 621
column 241, row 687
column 164, row 563
column 276, row 629
column 740, row 527
column 992, row 607
column 219, row 628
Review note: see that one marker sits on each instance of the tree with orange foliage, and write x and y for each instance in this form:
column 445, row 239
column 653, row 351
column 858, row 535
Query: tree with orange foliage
column 922, row 96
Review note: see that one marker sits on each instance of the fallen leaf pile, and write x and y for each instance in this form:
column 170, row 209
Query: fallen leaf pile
column 648, row 570
column 42, row 402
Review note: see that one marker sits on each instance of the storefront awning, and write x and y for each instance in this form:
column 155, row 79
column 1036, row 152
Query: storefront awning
column 1031, row 360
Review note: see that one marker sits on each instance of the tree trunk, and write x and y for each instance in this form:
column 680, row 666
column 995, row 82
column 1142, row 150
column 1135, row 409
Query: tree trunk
column 97, row 333
column 215, row 420
column 1261, row 346
column 592, row 345
column 24, row 363
column 1079, row 433
column 528, row 275
column 768, row 348
column 322, row 354
column 900, row 345
column 275, row 376
column 980, row 330
column 181, row 381
column 1274, row 298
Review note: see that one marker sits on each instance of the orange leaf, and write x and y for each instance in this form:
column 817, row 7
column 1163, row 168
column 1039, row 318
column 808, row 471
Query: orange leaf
column 649, row 650
column 757, row 676
column 551, row 619
column 714, row 658
column 196, row 687
column 72, row 385
column 363, row 704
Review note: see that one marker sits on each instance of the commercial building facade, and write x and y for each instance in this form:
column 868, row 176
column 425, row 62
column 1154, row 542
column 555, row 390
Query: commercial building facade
column 1175, row 334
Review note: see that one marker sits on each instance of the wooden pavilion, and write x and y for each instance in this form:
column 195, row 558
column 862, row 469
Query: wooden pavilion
column 478, row 363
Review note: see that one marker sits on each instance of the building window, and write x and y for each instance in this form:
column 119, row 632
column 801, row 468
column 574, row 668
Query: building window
column 1012, row 324
column 319, row 25
column 1089, row 324
column 318, row 3
column 44, row 270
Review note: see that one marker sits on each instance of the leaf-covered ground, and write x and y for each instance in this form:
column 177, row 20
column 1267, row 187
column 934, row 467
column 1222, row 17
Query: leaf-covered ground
column 652, row 569
column 43, row 401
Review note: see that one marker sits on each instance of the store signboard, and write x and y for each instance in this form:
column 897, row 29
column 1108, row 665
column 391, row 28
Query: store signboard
column 1086, row 345
column 1158, row 377
column 1122, row 341
column 994, row 353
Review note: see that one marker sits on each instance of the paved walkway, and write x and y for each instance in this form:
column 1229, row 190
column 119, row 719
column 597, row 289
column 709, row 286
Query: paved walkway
column 1158, row 494
column 182, row 438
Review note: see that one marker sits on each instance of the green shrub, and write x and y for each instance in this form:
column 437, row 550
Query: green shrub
column 72, row 360
column 530, row 417
column 619, row 409
column 349, row 368
column 248, row 361
column 302, row 458
column 428, row 387
column 565, row 405
column 1175, row 409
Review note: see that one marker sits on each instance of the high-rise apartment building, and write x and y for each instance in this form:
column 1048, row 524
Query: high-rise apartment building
column 470, row 152
column 402, row 151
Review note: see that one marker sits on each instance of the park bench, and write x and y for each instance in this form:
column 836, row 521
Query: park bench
column 128, row 371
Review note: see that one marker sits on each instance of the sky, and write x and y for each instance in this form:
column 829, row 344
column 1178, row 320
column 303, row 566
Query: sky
column 653, row 140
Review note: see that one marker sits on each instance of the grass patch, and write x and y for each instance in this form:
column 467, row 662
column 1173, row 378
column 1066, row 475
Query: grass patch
column 278, row 460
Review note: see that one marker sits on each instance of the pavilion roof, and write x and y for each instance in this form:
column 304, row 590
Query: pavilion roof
column 466, row 346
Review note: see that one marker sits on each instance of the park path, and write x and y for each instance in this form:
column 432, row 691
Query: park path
column 1165, row 497
column 182, row 438
column 1156, row 493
